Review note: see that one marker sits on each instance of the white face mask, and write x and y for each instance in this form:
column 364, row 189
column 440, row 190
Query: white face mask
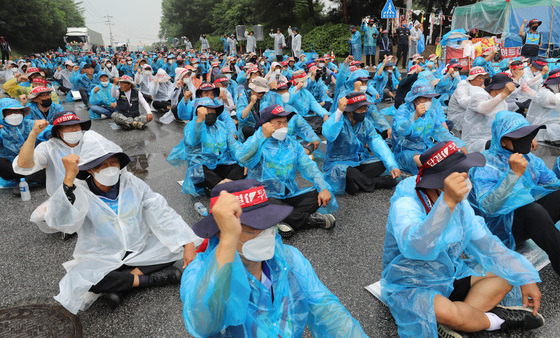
column 108, row 176
column 148, row 72
column 428, row 105
column 104, row 83
column 278, row 71
column 363, row 89
column 129, row 62
column 304, row 84
column 109, row 65
column 321, row 65
column 228, row 76
column 195, row 65
column 14, row 119
column 170, row 61
column 73, row 137
column 262, row 63
column 286, row 97
column 280, row 134
column 14, row 70
column 469, row 186
column 260, row 248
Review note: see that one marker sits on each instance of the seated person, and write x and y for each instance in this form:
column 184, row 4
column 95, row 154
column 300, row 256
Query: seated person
column 102, row 103
column 461, row 97
column 23, row 84
column 41, row 104
column 425, row 281
column 234, row 287
column 416, row 127
column 515, row 192
column 484, row 105
column 144, row 78
column 406, row 84
column 161, row 89
column 128, row 236
column 129, row 99
column 274, row 158
column 62, row 75
column 523, row 92
column 545, row 108
column 208, row 148
column 534, row 74
column 249, row 105
column 386, row 82
column 305, row 103
column 225, row 97
column 85, row 83
column 16, row 128
column 350, row 166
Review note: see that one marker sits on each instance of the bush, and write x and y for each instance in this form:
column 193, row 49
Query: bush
column 328, row 38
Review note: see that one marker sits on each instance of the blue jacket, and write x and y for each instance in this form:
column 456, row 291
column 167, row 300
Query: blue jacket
column 369, row 32
column 36, row 114
column 422, row 257
column 233, row 300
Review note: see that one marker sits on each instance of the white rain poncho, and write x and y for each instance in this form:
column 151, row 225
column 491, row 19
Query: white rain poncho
column 279, row 42
column 458, row 103
column 251, row 43
column 545, row 109
column 296, row 43
column 145, row 226
column 163, row 88
column 477, row 125
column 49, row 155
column 533, row 80
column 422, row 257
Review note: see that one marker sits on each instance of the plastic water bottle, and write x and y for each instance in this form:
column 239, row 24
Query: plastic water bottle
column 200, row 208
column 24, row 190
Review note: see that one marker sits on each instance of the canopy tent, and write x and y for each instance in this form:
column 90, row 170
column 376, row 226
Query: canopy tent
column 505, row 17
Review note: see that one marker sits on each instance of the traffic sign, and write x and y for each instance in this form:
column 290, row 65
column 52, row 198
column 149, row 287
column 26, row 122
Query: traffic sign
column 389, row 11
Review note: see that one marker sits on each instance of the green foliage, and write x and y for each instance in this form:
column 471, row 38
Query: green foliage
column 328, row 38
column 38, row 25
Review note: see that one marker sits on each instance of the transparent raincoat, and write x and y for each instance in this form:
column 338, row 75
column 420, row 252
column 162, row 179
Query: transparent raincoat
column 144, row 225
column 346, row 147
column 413, row 137
column 545, row 109
column 497, row 191
column 231, row 302
column 203, row 145
column 421, row 257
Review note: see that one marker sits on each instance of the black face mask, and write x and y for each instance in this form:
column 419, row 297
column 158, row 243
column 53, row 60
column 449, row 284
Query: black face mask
column 523, row 145
column 359, row 117
column 211, row 119
column 46, row 103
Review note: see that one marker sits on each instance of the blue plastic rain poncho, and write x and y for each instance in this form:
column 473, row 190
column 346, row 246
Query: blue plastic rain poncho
column 487, row 65
column 421, row 257
column 143, row 225
column 297, row 125
column 203, row 145
column 556, row 167
column 349, row 80
column 186, row 112
column 251, row 120
column 233, row 300
column 497, row 191
column 37, row 114
column 102, row 98
column 305, row 103
column 13, row 137
column 84, row 82
column 370, row 41
column 382, row 80
column 346, row 147
column 356, row 45
column 275, row 164
column 413, row 136
column 545, row 109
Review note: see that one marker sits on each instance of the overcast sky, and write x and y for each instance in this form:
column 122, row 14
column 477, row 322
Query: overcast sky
column 137, row 20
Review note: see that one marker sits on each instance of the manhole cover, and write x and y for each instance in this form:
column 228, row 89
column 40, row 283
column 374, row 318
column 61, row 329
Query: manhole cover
column 39, row 321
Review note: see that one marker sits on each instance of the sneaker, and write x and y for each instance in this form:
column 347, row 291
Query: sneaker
column 285, row 230
column 138, row 125
column 318, row 220
column 517, row 317
column 113, row 299
column 385, row 182
column 66, row 236
column 167, row 276
column 127, row 126
column 445, row 332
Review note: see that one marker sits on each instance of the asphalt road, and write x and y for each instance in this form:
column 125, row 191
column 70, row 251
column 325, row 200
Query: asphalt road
column 346, row 259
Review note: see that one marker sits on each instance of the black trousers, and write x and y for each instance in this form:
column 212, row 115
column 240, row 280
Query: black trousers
column 213, row 177
column 370, row 60
column 7, row 173
column 121, row 280
column 161, row 104
column 85, row 96
column 248, row 131
column 536, row 221
column 315, row 122
column 147, row 97
column 63, row 89
column 5, row 56
column 304, row 205
column 366, row 177
column 402, row 53
column 175, row 112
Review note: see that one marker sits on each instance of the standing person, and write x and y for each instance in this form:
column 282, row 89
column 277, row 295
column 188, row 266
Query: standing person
column 403, row 40
column 296, row 41
column 248, row 283
column 5, row 47
column 204, row 45
column 370, row 42
column 232, row 41
column 251, row 42
column 226, row 44
column 425, row 281
column 385, row 46
column 188, row 44
column 279, row 43
column 415, row 35
column 356, row 43
column 532, row 40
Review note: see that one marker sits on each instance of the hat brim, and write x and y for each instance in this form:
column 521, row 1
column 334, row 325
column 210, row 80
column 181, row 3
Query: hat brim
column 352, row 107
column 537, row 66
column 472, row 77
column 524, row 131
column 288, row 114
column 86, row 124
column 435, row 180
column 216, row 91
column 219, row 108
column 552, row 81
column 260, row 219
column 538, row 24
column 258, row 89
column 83, row 174
column 499, row 85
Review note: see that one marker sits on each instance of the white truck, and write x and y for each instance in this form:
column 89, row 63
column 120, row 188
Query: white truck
column 84, row 39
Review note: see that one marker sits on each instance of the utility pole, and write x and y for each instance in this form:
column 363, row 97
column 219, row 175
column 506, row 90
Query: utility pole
column 108, row 22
